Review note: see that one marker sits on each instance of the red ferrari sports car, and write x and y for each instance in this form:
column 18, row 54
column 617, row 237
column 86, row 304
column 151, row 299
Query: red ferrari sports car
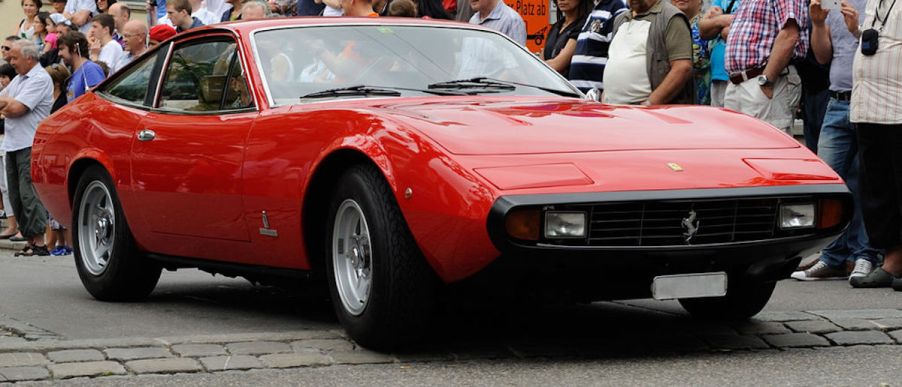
column 394, row 157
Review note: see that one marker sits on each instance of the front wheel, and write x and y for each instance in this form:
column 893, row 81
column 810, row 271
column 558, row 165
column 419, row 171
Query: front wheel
column 382, row 289
column 109, row 264
column 743, row 300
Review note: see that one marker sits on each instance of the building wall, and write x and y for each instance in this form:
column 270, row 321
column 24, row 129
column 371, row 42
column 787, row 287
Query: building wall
column 11, row 14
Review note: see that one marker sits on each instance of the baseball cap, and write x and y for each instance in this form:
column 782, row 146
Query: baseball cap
column 161, row 32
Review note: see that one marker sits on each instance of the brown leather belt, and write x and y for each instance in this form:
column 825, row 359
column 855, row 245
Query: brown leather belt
column 742, row 76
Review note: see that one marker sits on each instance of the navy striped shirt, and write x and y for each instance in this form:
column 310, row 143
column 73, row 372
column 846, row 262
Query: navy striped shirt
column 591, row 55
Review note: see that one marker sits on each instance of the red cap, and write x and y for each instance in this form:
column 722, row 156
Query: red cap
column 161, row 32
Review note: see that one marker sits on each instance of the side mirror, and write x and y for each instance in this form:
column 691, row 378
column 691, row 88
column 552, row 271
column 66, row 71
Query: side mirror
column 594, row 94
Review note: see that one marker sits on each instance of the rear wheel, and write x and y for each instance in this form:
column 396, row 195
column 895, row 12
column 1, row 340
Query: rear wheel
column 382, row 289
column 108, row 262
column 743, row 300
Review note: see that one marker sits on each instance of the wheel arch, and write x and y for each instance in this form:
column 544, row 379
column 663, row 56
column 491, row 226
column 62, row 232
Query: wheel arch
column 318, row 188
column 62, row 194
column 443, row 204
column 78, row 168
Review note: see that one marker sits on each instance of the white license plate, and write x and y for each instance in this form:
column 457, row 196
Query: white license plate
column 669, row 287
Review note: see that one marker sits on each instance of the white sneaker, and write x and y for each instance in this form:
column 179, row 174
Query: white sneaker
column 863, row 267
column 820, row 271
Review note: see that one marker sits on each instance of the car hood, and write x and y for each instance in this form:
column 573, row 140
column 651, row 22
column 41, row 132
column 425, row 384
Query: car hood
column 519, row 125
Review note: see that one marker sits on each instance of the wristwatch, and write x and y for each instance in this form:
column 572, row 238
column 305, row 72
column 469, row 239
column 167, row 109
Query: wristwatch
column 763, row 81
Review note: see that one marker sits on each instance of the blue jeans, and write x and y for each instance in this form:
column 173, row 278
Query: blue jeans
column 838, row 147
column 814, row 107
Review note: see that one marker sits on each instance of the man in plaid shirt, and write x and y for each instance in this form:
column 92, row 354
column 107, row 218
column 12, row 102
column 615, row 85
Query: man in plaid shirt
column 766, row 35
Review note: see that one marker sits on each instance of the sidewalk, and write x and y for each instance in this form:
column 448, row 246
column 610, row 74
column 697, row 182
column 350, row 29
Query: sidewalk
column 5, row 243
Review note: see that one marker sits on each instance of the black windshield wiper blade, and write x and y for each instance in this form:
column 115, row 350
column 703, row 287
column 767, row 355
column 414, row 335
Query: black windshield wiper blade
column 359, row 90
column 365, row 90
column 436, row 92
column 472, row 83
column 497, row 83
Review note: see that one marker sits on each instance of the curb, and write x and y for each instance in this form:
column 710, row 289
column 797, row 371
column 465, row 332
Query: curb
column 6, row 244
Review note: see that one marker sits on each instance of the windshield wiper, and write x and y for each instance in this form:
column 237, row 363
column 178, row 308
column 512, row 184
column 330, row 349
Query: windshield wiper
column 474, row 83
column 365, row 90
column 359, row 90
column 486, row 82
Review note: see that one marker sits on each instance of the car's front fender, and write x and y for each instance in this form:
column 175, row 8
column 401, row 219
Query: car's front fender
column 444, row 204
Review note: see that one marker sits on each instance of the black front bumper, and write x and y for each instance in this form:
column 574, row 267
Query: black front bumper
column 598, row 272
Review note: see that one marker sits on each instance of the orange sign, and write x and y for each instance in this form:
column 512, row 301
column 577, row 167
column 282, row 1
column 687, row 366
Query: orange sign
column 535, row 14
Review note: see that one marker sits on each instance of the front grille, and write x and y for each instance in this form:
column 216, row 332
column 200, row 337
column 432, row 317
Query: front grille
column 661, row 223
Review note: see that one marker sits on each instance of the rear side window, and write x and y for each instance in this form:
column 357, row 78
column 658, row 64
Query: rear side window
column 197, row 76
column 132, row 86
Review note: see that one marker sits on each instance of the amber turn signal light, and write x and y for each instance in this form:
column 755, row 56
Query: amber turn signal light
column 831, row 213
column 523, row 224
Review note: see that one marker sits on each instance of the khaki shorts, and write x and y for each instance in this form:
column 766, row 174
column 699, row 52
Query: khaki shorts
column 778, row 111
column 718, row 91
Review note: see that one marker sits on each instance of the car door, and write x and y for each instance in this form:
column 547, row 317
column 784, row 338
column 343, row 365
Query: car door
column 123, row 103
column 187, row 154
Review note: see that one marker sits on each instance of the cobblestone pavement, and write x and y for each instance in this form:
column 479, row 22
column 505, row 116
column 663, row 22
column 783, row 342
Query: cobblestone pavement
column 287, row 332
column 30, row 354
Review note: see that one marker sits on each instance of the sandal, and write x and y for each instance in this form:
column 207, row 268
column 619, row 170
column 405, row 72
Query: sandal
column 7, row 236
column 18, row 238
column 32, row 250
column 26, row 251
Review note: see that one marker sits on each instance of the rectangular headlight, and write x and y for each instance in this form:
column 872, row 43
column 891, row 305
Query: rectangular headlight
column 793, row 216
column 565, row 224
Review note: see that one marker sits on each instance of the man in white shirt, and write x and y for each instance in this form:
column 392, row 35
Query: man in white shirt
column 135, row 35
column 498, row 16
column 105, row 49
column 25, row 103
column 79, row 13
column 650, row 57
column 876, row 114
column 200, row 12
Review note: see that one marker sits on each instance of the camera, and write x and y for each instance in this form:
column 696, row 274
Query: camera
column 869, row 41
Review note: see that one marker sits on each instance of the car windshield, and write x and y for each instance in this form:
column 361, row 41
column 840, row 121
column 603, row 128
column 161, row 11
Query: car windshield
column 357, row 61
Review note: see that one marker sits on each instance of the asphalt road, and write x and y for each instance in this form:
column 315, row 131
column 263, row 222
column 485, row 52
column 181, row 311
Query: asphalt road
column 46, row 293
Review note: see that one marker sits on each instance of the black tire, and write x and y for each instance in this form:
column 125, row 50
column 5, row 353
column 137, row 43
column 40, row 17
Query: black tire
column 402, row 296
column 743, row 300
column 128, row 275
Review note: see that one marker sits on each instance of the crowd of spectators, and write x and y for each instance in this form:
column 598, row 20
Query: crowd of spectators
column 834, row 63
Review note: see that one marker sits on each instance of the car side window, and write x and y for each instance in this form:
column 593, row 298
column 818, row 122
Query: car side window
column 133, row 85
column 196, row 76
column 237, row 95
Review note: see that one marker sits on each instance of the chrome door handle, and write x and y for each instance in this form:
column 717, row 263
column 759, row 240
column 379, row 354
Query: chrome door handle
column 146, row 135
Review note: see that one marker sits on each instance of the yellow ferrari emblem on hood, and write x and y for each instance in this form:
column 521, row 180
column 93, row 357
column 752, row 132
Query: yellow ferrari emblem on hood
column 675, row 167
